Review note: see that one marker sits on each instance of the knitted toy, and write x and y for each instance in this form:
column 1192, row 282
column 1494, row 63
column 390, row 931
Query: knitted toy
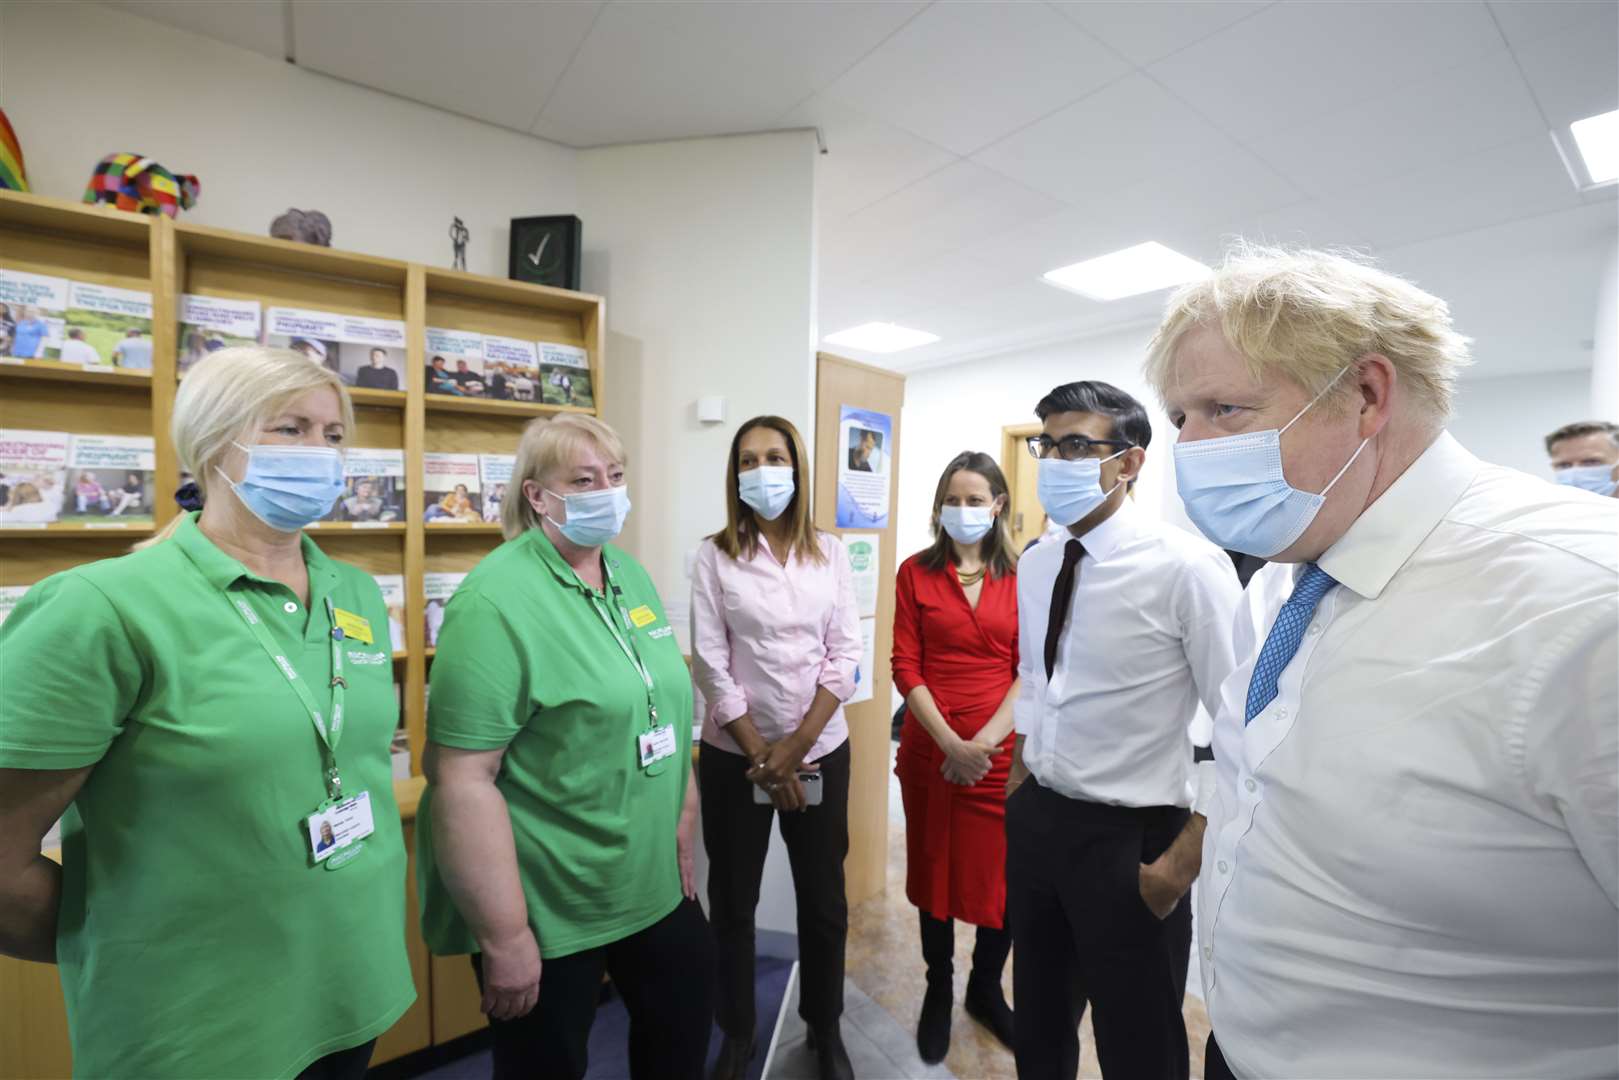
column 136, row 183
column 13, row 173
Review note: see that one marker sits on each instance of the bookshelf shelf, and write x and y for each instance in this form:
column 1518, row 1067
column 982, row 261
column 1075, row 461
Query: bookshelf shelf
column 56, row 371
column 486, row 528
column 386, row 399
column 360, row 528
column 525, row 409
column 68, row 530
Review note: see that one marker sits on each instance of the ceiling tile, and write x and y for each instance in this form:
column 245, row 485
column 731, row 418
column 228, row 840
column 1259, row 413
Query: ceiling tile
column 249, row 24
column 521, row 50
column 962, row 75
column 1129, row 129
column 1294, row 61
column 1574, row 73
column 1519, row 180
column 1480, row 104
column 1145, row 33
column 1524, row 22
column 865, row 159
column 956, row 208
column 674, row 70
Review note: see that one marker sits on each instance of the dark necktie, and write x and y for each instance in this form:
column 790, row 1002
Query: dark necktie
column 1061, row 594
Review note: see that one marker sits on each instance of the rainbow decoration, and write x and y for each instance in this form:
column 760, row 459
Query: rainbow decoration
column 13, row 174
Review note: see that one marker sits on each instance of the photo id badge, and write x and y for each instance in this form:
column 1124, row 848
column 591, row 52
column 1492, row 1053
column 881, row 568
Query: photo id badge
column 335, row 832
column 657, row 744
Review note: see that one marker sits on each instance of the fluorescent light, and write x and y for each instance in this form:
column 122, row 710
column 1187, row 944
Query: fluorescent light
column 1144, row 268
column 1598, row 140
column 881, row 337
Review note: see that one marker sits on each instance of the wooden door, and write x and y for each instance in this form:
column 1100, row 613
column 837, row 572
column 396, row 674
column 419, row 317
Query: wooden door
column 1028, row 518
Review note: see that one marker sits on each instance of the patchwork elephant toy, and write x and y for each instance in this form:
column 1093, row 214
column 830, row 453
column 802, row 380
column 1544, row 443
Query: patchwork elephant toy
column 139, row 184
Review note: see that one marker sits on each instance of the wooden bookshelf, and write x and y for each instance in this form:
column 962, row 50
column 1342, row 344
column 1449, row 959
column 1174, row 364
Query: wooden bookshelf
column 168, row 259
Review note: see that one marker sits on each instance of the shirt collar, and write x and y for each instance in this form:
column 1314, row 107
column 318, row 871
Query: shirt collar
column 1107, row 537
column 1388, row 532
column 222, row 571
column 554, row 562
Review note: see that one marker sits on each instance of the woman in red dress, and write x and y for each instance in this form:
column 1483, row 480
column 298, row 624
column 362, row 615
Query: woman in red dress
column 955, row 661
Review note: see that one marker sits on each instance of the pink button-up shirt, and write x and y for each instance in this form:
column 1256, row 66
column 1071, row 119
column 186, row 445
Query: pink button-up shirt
column 764, row 636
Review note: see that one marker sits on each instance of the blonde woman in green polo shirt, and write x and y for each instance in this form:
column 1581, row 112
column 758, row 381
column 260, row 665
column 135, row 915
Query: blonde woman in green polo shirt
column 556, row 835
column 206, row 711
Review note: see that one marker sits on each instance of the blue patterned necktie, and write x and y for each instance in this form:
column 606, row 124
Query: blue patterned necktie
column 1284, row 637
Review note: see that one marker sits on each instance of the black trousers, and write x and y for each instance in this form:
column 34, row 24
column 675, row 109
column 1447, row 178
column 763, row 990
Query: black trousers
column 665, row 976
column 347, row 1064
column 990, row 950
column 1214, row 1066
column 1084, row 935
column 736, row 831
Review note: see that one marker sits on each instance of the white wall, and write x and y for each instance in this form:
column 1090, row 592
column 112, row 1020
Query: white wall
column 1605, row 342
column 80, row 81
column 1506, row 420
column 704, row 250
column 964, row 407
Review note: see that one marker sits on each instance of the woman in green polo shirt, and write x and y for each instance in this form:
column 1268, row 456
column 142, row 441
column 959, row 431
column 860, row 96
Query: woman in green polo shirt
column 555, row 837
column 206, row 711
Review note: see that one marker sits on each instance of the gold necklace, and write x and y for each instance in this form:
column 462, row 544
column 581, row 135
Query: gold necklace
column 971, row 579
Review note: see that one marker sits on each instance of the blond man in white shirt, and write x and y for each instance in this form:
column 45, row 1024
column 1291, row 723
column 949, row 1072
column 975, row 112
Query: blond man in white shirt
column 1411, row 862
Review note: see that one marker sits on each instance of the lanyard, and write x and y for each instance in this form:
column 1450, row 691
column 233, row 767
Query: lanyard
column 329, row 736
column 626, row 640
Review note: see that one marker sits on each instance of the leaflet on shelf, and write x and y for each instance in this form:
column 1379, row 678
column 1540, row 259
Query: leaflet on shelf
column 495, row 474
column 211, row 323
column 373, row 487
column 438, row 587
column 450, row 488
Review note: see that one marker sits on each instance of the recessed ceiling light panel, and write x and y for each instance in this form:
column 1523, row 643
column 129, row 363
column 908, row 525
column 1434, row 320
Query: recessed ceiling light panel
column 1141, row 269
column 879, row 337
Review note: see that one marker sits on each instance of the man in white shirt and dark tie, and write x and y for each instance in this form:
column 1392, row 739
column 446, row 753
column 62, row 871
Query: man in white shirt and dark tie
column 1411, row 862
column 1125, row 625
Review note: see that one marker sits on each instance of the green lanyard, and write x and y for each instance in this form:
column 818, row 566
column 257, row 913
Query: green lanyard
column 328, row 736
column 626, row 640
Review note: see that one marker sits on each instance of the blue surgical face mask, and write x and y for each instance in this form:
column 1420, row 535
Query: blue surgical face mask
column 1069, row 490
column 768, row 489
column 966, row 524
column 287, row 487
column 594, row 517
column 1237, row 495
column 1597, row 479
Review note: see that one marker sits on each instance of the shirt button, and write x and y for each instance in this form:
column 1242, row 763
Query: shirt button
column 1281, row 714
column 1225, row 867
column 1315, row 629
column 1250, row 785
column 289, row 607
column 1208, row 953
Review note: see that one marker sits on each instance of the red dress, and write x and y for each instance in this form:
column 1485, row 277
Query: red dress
column 955, row 837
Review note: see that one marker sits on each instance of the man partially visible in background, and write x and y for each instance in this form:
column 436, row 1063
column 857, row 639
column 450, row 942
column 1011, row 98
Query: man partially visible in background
column 1585, row 454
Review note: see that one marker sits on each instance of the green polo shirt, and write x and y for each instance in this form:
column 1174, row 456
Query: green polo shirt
column 526, row 664
column 194, row 937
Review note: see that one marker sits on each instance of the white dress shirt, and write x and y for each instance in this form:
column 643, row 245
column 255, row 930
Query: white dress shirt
column 1410, row 862
column 1148, row 636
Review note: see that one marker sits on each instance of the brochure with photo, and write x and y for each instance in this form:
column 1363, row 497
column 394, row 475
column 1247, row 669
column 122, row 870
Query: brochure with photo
column 565, row 375
column 439, row 588
column 495, row 473
column 109, row 480
column 373, row 487
column 454, row 363
column 511, row 368
column 33, row 475
column 9, row 596
column 393, row 595
column 211, row 323
column 450, row 489
column 32, row 315
column 371, row 353
column 107, row 326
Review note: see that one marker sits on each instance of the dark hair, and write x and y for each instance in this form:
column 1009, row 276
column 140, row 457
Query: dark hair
column 997, row 549
column 1128, row 418
column 379, row 349
column 1583, row 427
column 740, row 537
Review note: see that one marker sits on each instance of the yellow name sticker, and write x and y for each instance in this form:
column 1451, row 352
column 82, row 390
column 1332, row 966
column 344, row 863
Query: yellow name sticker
column 353, row 626
column 643, row 616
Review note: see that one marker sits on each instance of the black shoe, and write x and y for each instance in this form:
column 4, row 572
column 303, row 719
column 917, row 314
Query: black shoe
column 933, row 1028
column 831, row 1059
column 987, row 1005
column 732, row 1064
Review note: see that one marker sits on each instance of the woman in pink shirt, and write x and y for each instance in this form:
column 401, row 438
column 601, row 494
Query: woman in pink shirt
column 775, row 649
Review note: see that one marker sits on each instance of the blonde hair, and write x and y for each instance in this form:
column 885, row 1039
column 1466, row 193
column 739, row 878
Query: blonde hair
column 1310, row 314
column 229, row 393
column 740, row 537
column 548, row 445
